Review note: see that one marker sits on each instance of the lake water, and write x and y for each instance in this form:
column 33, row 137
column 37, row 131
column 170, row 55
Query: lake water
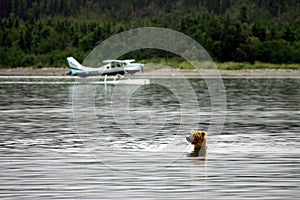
column 61, row 140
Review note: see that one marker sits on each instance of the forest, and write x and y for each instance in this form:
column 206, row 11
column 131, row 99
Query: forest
column 42, row 33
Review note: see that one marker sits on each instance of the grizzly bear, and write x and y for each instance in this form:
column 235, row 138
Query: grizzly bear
column 198, row 139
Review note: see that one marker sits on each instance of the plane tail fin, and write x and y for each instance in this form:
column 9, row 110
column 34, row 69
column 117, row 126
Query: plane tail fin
column 74, row 63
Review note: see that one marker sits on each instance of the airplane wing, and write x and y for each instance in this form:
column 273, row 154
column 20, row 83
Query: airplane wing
column 110, row 61
column 129, row 61
column 119, row 61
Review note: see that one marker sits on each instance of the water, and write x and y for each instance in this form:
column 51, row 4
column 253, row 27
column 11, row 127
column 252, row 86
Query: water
column 66, row 141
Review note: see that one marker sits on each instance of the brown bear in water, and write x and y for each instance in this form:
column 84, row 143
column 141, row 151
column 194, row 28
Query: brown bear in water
column 198, row 139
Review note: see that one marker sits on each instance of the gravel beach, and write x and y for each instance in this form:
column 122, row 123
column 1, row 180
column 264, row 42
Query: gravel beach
column 162, row 73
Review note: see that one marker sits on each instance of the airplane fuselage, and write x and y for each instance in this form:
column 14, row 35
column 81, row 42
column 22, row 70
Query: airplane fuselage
column 97, row 72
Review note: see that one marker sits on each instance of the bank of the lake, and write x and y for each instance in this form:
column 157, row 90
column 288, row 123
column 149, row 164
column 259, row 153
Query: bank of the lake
column 188, row 73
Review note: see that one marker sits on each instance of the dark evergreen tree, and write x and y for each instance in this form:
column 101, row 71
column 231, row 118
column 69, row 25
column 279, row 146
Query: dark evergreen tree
column 230, row 30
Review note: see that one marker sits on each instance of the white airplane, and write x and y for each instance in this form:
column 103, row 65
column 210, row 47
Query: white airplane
column 111, row 68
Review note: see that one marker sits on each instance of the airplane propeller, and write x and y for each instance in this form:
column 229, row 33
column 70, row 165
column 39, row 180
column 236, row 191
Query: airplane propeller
column 142, row 68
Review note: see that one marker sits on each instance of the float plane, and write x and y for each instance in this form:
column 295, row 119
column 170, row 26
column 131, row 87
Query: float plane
column 110, row 68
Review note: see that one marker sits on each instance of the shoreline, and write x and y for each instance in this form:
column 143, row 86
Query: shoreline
column 162, row 73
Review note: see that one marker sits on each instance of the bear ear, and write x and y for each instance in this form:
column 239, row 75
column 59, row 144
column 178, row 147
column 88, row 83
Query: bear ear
column 203, row 133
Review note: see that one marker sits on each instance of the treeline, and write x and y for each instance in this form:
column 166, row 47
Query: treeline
column 42, row 33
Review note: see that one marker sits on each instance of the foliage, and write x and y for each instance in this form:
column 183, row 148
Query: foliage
column 44, row 32
column 182, row 64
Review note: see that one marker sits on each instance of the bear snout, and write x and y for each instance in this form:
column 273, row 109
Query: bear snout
column 188, row 139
